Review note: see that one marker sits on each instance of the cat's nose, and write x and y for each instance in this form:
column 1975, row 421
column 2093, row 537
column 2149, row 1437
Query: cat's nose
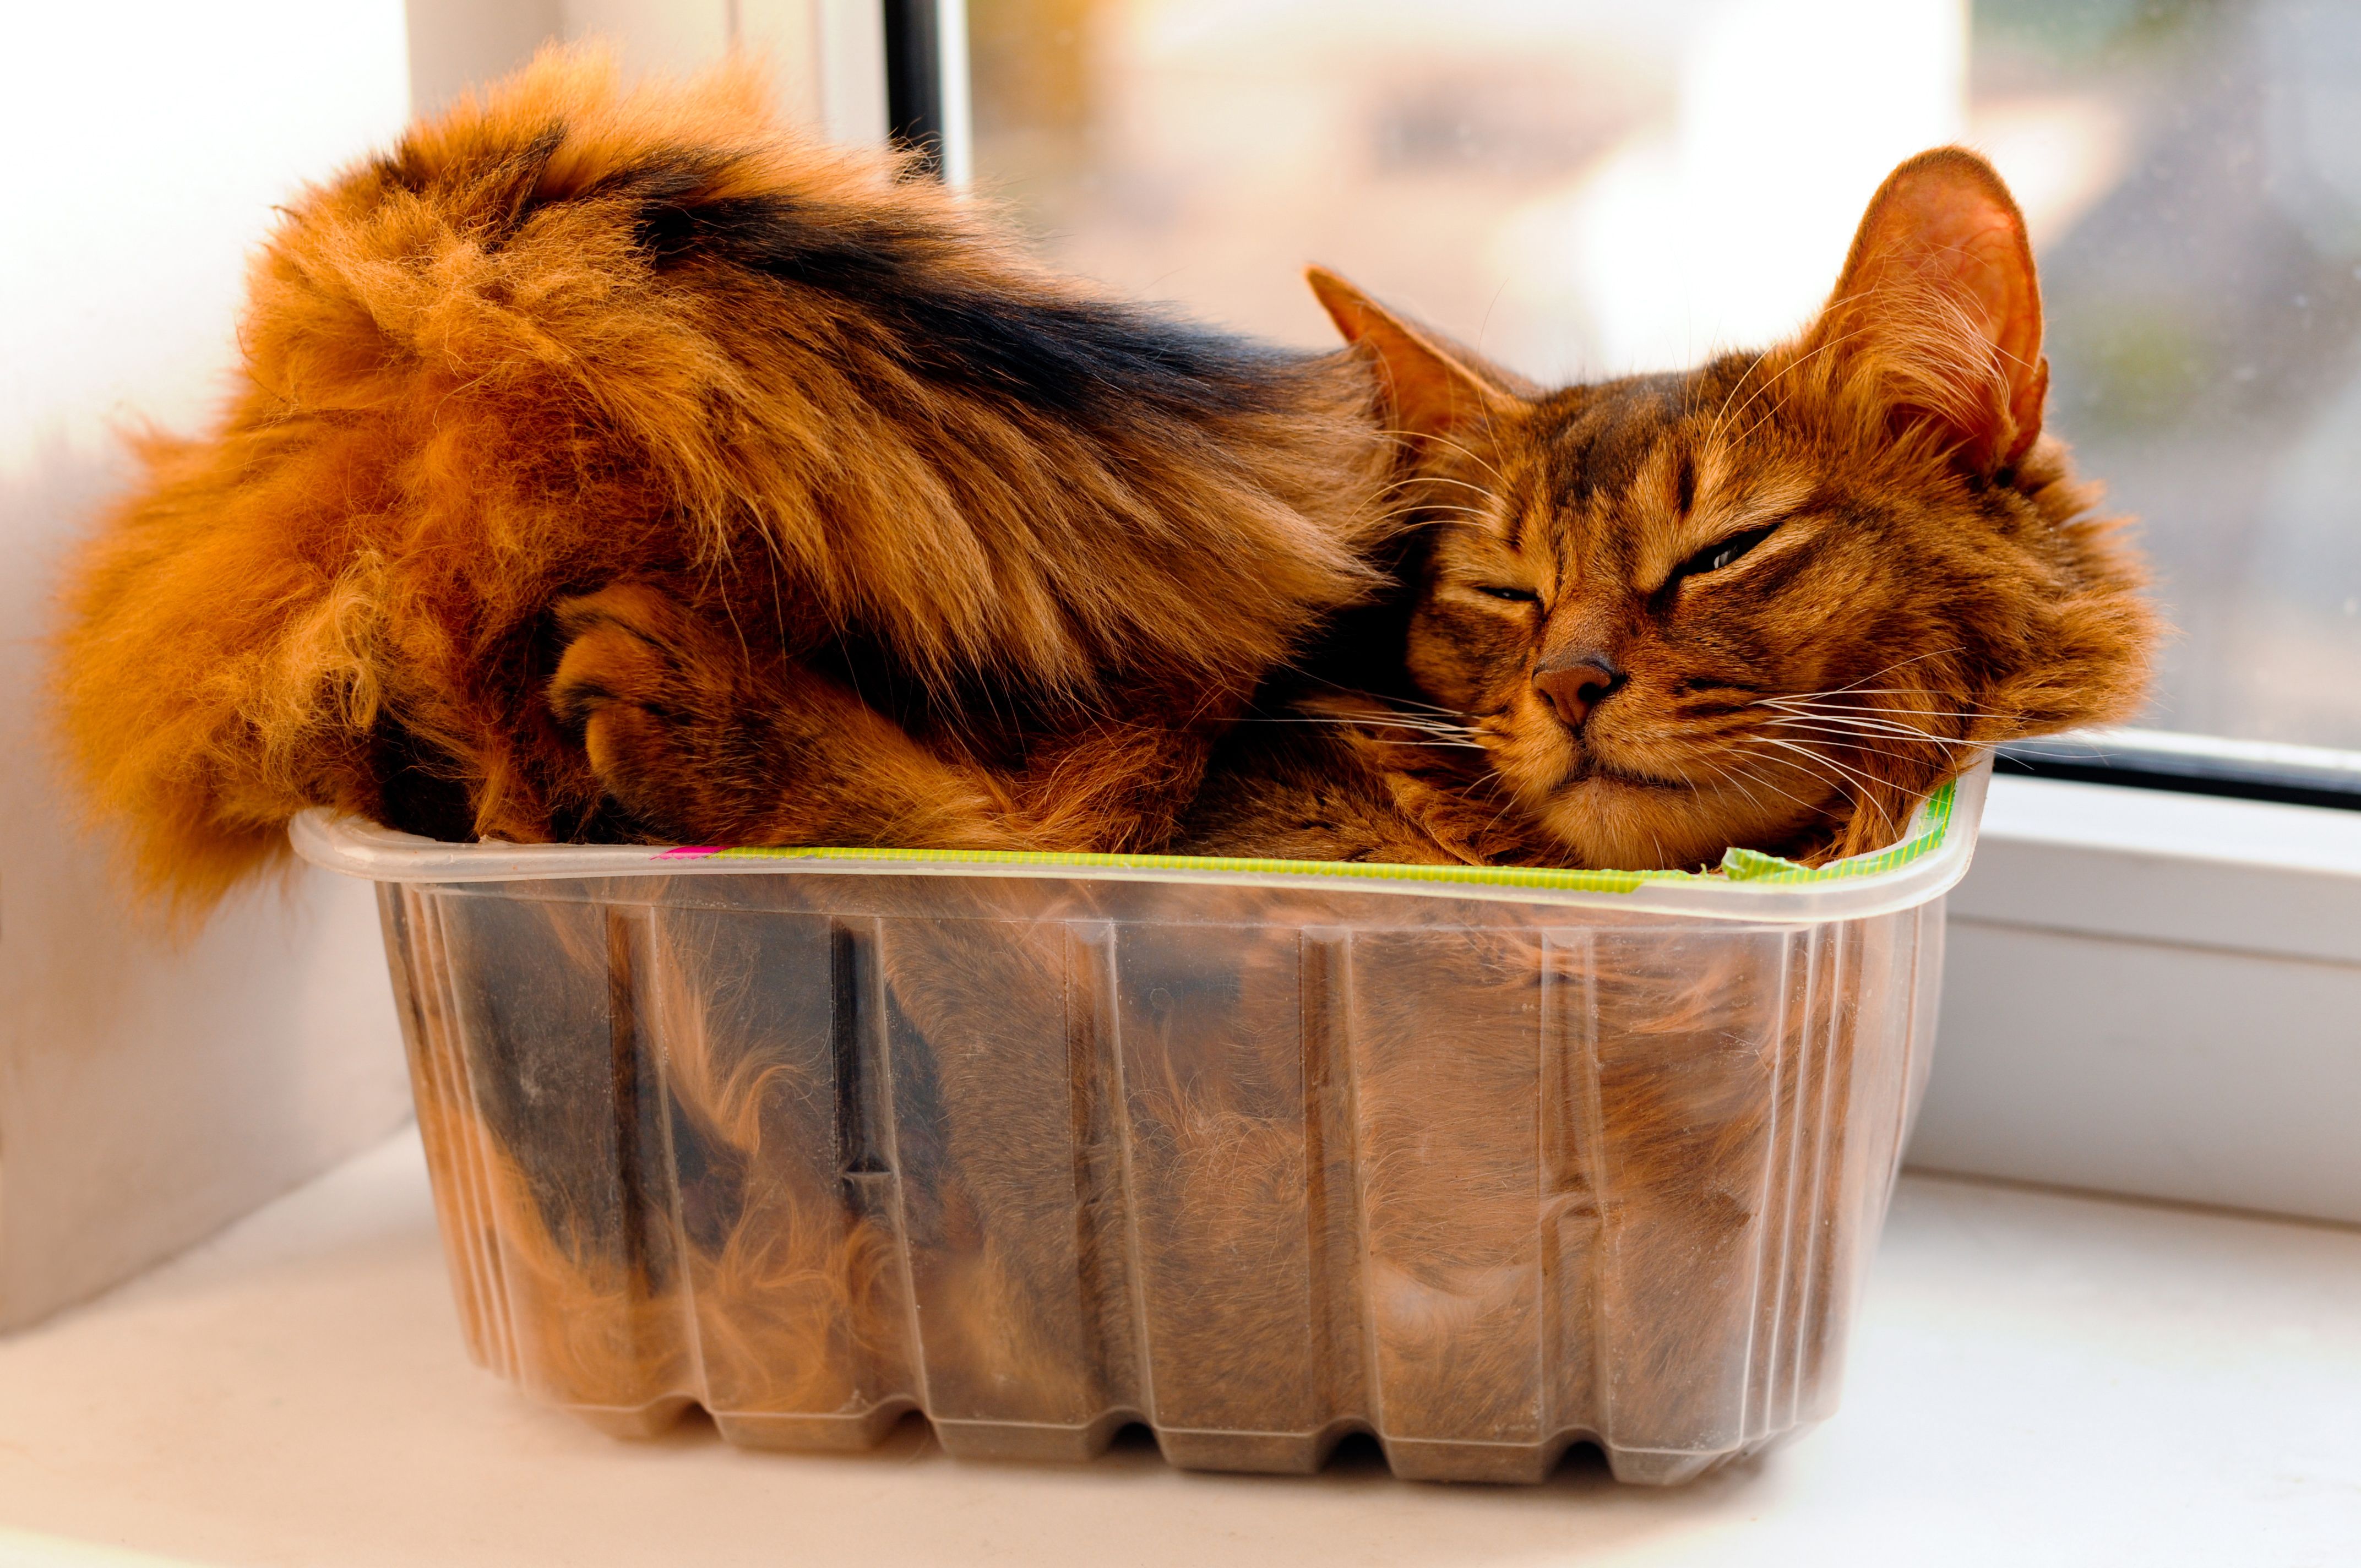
column 1574, row 685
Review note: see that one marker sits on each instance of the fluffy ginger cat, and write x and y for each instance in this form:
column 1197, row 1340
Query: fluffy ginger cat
column 614, row 464
column 619, row 465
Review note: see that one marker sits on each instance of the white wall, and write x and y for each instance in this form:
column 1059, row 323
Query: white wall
column 153, row 1092
column 828, row 56
column 150, row 1093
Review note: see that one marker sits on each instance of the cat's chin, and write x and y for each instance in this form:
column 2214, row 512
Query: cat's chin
column 1591, row 771
column 1614, row 824
column 1614, row 819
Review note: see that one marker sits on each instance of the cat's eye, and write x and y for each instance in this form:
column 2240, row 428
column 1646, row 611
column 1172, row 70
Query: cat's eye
column 1723, row 552
column 1515, row 595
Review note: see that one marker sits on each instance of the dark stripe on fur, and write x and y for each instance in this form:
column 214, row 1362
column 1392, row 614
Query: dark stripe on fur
column 1603, row 450
column 500, row 191
column 1078, row 360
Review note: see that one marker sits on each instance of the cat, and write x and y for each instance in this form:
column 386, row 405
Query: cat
column 1771, row 602
column 1256, row 1164
column 1828, row 571
column 1005, row 557
column 614, row 466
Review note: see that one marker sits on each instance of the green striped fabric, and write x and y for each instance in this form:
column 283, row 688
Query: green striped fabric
column 1929, row 827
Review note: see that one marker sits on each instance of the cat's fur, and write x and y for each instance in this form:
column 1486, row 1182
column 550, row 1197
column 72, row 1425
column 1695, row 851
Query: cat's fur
column 1914, row 573
column 616, row 465
column 1910, row 574
column 1005, row 557
column 1239, row 1161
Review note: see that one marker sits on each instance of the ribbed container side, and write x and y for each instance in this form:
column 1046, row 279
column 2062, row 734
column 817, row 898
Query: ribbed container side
column 1254, row 1168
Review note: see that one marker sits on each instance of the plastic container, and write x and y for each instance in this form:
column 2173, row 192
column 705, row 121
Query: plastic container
column 1481, row 1162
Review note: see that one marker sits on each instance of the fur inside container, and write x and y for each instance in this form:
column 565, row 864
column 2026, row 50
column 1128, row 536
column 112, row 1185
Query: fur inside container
column 1483, row 1162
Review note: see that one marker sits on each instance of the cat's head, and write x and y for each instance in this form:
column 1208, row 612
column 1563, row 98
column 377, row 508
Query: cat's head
column 1774, row 600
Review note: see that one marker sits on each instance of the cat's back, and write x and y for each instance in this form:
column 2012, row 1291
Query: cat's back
column 715, row 336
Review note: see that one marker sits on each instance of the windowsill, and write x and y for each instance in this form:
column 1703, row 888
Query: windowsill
column 2284, row 881
column 2153, row 994
column 2036, row 1378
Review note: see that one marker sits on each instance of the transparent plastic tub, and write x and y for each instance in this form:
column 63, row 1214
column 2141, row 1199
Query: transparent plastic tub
column 1480, row 1162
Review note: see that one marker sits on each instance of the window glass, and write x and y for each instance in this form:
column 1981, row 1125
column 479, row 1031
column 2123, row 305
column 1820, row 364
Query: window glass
column 1585, row 187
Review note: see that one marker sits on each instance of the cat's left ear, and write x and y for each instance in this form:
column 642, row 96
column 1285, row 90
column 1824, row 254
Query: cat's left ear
column 1940, row 295
column 1433, row 386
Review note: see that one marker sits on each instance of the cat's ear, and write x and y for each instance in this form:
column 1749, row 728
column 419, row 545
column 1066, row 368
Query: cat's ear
column 1433, row 386
column 1939, row 297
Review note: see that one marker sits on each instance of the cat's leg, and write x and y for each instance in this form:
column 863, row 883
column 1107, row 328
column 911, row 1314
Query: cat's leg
column 1118, row 785
column 704, row 738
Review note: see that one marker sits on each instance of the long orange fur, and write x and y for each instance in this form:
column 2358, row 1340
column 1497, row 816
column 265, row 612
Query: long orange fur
column 568, row 343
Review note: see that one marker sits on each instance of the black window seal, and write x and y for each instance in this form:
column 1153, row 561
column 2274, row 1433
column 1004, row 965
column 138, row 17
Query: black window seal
column 914, row 80
column 2123, row 760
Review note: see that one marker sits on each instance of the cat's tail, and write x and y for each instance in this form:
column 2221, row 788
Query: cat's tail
column 211, row 677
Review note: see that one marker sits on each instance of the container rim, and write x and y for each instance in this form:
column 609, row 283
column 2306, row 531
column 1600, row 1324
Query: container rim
column 1927, row 861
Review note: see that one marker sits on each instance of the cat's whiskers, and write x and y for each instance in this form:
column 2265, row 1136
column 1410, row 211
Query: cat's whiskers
column 1737, row 778
column 1389, row 702
column 1864, row 710
column 1437, row 735
column 1844, row 778
column 1838, row 785
column 1773, row 412
column 1873, row 674
column 1855, row 743
column 1811, row 699
column 1386, row 711
column 1918, row 694
column 1505, row 805
column 1414, row 479
column 1722, row 417
column 1848, row 715
column 1824, row 752
column 1765, row 780
column 1865, row 730
column 1454, row 715
column 1403, row 722
column 1765, row 417
column 1888, row 717
column 1462, row 511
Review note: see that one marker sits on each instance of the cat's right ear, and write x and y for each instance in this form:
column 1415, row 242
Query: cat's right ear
column 1432, row 388
column 1939, row 297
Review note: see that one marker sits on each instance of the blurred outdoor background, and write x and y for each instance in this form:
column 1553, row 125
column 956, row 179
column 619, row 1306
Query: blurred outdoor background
column 1585, row 187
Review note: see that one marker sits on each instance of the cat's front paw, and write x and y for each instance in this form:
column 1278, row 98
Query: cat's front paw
column 655, row 695
column 704, row 737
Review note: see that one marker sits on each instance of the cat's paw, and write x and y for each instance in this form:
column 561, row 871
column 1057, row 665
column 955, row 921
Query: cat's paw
column 655, row 695
column 703, row 738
